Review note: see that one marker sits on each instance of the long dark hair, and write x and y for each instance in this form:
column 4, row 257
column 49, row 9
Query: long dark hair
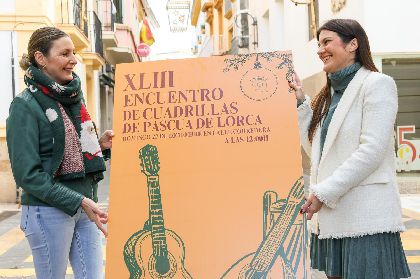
column 347, row 30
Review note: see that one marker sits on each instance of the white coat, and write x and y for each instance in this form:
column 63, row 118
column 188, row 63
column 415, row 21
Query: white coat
column 355, row 177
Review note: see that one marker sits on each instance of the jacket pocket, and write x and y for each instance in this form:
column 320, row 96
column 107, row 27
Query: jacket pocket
column 382, row 177
column 24, row 217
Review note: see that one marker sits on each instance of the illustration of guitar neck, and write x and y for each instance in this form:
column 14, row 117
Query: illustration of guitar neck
column 150, row 167
column 154, row 252
column 282, row 242
column 269, row 249
column 276, row 237
column 292, row 253
column 156, row 220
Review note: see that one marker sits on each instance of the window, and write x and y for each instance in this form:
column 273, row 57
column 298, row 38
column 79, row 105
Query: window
column 406, row 73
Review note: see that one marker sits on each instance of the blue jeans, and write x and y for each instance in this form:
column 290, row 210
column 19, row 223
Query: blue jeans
column 55, row 238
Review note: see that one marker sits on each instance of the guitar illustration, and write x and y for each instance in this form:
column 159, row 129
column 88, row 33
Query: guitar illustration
column 284, row 242
column 154, row 252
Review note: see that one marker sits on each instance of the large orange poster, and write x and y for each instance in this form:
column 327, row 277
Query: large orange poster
column 206, row 170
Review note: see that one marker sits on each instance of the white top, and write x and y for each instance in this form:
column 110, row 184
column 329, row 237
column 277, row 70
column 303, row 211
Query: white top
column 355, row 177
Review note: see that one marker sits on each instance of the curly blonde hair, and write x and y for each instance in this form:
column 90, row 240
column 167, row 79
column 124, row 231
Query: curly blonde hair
column 41, row 40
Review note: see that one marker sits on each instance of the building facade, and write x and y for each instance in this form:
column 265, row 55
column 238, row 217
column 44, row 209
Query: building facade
column 270, row 25
column 104, row 32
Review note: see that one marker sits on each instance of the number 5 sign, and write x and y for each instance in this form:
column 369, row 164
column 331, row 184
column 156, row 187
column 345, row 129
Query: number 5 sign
column 408, row 157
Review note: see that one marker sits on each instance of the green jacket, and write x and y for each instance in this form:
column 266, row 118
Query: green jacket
column 30, row 143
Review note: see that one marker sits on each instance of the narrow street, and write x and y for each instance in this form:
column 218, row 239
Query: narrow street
column 15, row 255
column 16, row 260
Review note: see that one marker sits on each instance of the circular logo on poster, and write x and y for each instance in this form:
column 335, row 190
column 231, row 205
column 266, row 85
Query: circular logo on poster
column 259, row 83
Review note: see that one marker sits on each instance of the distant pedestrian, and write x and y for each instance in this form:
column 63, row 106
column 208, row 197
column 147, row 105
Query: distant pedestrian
column 57, row 160
column 347, row 130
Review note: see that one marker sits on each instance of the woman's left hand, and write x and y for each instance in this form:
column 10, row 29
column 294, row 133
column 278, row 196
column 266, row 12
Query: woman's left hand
column 311, row 206
column 106, row 139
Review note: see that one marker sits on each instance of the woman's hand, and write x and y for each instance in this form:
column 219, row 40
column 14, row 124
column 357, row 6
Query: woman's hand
column 296, row 85
column 311, row 206
column 95, row 214
column 106, row 139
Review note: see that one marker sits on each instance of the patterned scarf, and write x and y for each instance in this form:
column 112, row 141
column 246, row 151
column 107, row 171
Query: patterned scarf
column 76, row 150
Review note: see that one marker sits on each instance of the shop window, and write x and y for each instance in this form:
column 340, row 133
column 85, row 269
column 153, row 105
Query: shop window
column 406, row 73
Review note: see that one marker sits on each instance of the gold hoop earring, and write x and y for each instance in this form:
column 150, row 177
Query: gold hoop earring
column 43, row 67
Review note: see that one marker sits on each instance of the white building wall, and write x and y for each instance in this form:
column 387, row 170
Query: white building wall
column 8, row 6
column 390, row 26
column 354, row 9
column 270, row 19
column 276, row 24
column 393, row 26
column 261, row 11
column 264, row 31
column 296, row 38
column 50, row 9
column 6, row 96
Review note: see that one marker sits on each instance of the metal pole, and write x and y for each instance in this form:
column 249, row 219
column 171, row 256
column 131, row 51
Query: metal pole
column 13, row 66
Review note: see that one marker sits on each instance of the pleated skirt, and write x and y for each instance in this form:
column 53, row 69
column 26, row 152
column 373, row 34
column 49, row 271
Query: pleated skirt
column 378, row 256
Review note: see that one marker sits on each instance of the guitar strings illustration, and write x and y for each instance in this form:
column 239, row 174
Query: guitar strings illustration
column 277, row 236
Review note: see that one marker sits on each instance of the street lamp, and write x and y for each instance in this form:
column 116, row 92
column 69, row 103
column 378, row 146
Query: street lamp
column 241, row 21
column 308, row 2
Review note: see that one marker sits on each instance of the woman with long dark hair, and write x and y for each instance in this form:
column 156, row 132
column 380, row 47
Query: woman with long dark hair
column 57, row 159
column 347, row 129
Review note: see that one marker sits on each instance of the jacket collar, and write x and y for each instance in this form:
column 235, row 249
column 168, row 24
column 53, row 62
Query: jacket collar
column 343, row 107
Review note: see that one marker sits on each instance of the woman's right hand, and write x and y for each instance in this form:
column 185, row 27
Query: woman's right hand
column 95, row 214
column 296, row 85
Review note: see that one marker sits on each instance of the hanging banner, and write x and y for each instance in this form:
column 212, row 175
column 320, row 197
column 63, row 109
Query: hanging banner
column 206, row 170
column 178, row 15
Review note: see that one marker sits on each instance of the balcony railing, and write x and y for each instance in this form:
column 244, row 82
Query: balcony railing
column 97, row 34
column 205, row 4
column 107, row 14
column 118, row 14
column 80, row 16
column 72, row 12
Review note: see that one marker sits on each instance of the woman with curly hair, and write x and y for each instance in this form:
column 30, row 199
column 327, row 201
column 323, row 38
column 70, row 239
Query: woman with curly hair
column 57, row 160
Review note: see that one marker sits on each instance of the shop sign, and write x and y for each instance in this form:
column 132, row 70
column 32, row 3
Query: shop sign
column 408, row 151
